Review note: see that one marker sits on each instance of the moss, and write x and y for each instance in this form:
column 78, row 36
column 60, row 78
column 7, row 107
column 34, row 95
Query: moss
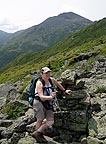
column 14, row 109
column 100, row 90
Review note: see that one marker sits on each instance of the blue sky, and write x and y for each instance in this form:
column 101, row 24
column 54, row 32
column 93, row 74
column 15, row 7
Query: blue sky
column 16, row 15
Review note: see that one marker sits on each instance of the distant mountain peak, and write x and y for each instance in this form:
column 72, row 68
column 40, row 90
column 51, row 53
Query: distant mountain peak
column 42, row 36
column 71, row 15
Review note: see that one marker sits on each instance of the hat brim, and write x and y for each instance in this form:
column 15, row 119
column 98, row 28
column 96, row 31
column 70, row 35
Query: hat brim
column 47, row 71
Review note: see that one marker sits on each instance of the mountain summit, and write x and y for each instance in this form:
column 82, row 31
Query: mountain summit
column 42, row 36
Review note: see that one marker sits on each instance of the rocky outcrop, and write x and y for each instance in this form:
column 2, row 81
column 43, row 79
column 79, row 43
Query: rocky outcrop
column 80, row 118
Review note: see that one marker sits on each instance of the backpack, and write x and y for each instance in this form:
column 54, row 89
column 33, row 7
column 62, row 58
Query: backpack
column 31, row 91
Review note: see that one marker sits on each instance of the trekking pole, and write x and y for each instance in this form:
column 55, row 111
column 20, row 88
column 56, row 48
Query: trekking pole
column 57, row 105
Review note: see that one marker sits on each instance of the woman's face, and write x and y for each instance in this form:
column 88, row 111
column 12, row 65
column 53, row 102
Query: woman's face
column 47, row 75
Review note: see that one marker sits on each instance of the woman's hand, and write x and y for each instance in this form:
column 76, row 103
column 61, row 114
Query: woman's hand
column 53, row 94
column 68, row 91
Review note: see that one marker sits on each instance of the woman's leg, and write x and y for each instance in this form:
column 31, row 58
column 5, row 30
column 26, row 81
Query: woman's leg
column 38, row 124
column 49, row 120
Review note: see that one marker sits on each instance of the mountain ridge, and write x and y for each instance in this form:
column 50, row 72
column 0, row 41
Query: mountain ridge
column 88, row 41
column 3, row 36
column 42, row 36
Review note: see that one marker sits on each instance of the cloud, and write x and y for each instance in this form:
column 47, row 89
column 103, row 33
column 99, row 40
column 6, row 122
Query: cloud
column 6, row 25
column 21, row 14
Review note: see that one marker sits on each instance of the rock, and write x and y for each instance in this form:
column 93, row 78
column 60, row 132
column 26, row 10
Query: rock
column 79, row 119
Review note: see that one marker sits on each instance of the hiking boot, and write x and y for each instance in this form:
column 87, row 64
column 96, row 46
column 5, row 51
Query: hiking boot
column 51, row 132
column 39, row 137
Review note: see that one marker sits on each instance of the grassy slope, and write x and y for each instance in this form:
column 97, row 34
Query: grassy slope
column 90, row 39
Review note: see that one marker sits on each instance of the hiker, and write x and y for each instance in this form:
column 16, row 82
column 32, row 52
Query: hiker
column 43, row 103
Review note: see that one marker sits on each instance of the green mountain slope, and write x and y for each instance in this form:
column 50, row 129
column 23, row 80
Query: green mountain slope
column 3, row 37
column 42, row 36
column 63, row 55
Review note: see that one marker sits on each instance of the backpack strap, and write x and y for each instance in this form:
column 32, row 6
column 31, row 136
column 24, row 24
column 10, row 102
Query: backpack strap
column 51, row 84
column 43, row 82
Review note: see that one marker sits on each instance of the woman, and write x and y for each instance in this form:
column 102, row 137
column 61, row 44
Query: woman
column 43, row 103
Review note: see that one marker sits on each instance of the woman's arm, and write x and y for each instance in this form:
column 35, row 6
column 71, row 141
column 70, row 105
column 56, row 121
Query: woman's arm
column 55, row 82
column 60, row 86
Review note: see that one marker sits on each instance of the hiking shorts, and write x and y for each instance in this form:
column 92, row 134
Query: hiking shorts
column 41, row 112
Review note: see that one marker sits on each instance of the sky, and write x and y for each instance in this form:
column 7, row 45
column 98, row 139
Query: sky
column 17, row 15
